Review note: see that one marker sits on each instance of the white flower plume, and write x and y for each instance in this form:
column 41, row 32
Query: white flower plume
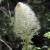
column 26, row 22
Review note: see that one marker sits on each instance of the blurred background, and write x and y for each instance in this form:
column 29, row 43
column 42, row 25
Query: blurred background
column 42, row 11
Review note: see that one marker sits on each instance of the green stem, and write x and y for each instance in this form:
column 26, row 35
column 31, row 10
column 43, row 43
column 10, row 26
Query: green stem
column 26, row 43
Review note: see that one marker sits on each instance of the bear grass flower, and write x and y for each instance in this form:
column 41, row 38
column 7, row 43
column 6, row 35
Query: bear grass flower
column 26, row 23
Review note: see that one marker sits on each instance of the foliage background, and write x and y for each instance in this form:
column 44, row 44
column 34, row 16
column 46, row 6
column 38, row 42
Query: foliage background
column 42, row 10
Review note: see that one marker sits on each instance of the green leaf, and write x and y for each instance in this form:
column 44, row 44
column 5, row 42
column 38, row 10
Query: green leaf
column 47, row 35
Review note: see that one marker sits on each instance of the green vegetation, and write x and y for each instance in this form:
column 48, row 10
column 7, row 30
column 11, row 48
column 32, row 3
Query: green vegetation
column 8, row 38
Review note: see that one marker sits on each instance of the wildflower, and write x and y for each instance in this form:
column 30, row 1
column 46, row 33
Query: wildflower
column 26, row 22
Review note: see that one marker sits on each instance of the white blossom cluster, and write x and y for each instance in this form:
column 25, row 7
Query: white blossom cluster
column 26, row 23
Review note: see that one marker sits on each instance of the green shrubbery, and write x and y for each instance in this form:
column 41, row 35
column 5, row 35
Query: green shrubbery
column 6, row 26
